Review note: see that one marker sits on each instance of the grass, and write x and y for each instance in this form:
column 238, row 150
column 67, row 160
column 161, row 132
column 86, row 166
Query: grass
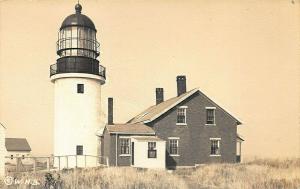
column 253, row 174
column 258, row 173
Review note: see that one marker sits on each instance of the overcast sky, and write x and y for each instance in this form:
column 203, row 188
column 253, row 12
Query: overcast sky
column 242, row 54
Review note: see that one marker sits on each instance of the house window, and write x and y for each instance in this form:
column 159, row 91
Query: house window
column 181, row 115
column 210, row 116
column 11, row 156
column 215, row 147
column 173, row 146
column 125, row 146
column 80, row 88
column 151, row 149
column 79, row 150
column 23, row 156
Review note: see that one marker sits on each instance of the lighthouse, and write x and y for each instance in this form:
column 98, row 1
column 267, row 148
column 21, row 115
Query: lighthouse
column 77, row 77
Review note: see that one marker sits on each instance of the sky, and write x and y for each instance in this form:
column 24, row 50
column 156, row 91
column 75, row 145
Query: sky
column 242, row 54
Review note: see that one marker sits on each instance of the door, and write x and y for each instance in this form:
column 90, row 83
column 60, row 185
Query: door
column 132, row 153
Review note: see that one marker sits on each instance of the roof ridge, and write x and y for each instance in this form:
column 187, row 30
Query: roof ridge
column 163, row 107
column 2, row 125
column 149, row 109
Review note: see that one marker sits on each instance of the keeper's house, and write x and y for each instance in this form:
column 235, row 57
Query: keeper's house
column 186, row 130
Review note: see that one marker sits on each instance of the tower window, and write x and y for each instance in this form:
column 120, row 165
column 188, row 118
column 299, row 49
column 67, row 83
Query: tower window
column 80, row 88
column 79, row 150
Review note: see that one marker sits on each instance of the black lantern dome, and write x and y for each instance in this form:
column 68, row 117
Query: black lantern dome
column 78, row 19
column 77, row 46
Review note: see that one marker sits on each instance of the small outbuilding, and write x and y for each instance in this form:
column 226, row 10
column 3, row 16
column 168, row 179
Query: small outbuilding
column 17, row 147
column 148, row 152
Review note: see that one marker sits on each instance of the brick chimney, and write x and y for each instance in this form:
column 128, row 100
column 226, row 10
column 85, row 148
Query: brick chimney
column 159, row 95
column 181, row 84
column 110, row 116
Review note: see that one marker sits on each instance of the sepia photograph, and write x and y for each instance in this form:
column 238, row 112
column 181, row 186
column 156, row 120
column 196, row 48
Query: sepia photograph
column 149, row 94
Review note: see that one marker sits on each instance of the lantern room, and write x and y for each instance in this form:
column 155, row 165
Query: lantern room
column 77, row 46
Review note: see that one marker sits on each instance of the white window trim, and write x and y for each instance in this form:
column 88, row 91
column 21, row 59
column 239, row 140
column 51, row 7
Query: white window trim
column 174, row 138
column 214, row 138
column 174, row 155
column 210, row 124
column 216, row 155
column 185, row 113
column 125, row 137
column 125, row 155
column 211, row 108
column 183, row 107
column 183, row 124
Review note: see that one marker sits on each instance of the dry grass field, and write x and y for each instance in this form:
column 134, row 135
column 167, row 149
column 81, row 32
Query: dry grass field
column 253, row 174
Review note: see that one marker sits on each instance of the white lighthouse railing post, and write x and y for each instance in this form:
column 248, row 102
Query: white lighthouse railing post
column 48, row 163
column 59, row 163
column 67, row 162
column 85, row 161
column 17, row 164
column 76, row 160
column 34, row 164
column 107, row 162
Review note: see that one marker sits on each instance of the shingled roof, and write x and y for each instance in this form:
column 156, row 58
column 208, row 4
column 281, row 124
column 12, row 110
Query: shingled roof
column 156, row 111
column 17, row 144
column 128, row 128
column 2, row 125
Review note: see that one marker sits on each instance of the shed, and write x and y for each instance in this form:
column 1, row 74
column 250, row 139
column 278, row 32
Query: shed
column 17, row 147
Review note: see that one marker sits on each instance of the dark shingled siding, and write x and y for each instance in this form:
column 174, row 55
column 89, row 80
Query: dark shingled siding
column 194, row 143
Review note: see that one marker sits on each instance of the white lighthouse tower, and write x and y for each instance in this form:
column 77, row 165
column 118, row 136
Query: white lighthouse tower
column 77, row 77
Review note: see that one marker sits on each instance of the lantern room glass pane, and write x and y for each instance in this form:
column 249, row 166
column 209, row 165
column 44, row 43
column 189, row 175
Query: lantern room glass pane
column 74, row 52
column 74, row 32
column 68, row 52
column 77, row 41
column 68, row 32
column 74, row 42
column 68, row 43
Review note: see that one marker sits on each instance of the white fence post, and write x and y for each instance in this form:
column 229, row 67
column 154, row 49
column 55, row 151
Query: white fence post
column 48, row 163
column 34, row 164
column 67, row 162
column 76, row 161
column 59, row 163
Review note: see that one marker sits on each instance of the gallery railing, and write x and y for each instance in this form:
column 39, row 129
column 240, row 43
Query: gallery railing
column 78, row 67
